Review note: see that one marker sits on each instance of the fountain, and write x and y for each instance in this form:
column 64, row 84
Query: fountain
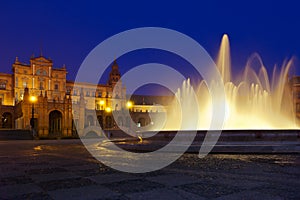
column 252, row 100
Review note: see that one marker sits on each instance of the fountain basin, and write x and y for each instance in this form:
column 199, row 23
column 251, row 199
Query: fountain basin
column 230, row 141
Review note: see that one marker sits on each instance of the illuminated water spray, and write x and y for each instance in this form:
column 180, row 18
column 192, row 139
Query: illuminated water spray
column 252, row 100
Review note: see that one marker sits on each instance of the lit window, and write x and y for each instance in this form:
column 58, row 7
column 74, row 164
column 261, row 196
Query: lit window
column 2, row 86
column 24, row 84
column 21, row 95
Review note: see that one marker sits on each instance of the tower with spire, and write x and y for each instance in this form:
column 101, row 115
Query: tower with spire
column 114, row 75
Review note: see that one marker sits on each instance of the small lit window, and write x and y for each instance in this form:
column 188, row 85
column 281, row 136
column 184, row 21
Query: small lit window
column 2, row 86
column 24, row 84
column 21, row 95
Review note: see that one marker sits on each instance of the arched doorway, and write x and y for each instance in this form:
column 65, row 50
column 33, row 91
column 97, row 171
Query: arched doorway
column 100, row 120
column 90, row 121
column 108, row 122
column 55, row 123
column 7, row 120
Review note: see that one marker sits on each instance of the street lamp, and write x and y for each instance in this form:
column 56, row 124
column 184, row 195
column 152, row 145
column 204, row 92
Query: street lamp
column 33, row 99
column 101, row 104
column 108, row 109
column 129, row 104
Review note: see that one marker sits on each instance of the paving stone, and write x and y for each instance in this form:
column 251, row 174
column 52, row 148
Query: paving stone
column 174, row 179
column 5, row 173
column 131, row 186
column 162, row 194
column 11, row 191
column 79, row 167
column 239, row 183
column 15, row 180
column 65, row 183
column 88, row 172
column 33, row 196
column 53, row 176
column 86, row 192
column 250, row 195
column 284, row 191
column 110, row 178
column 120, row 197
column 46, row 170
column 209, row 190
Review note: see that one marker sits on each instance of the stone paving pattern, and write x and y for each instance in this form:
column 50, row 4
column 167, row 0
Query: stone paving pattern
column 63, row 169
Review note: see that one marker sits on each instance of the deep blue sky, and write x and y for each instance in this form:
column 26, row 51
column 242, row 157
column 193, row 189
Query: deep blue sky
column 67, row 31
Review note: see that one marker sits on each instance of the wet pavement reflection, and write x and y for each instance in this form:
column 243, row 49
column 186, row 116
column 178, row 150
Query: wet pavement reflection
column 64, row 169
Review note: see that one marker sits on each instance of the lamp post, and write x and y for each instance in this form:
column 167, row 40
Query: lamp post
column 101, row 104
column 129, row 105
column 33, row 99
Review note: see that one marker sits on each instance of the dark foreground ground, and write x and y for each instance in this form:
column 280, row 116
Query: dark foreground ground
column 63, row 169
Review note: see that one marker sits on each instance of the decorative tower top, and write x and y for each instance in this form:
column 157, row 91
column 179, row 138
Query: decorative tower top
column 114, row 75
column 17, row 60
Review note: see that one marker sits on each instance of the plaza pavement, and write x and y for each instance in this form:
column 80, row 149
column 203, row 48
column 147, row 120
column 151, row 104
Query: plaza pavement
column 63, row 169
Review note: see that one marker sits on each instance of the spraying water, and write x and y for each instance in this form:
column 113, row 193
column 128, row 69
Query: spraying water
column 252, row 101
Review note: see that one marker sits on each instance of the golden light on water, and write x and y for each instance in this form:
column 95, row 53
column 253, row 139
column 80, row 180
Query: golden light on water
column 252, row 100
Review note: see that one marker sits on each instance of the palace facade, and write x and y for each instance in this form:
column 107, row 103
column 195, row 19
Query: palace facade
column 40, row 96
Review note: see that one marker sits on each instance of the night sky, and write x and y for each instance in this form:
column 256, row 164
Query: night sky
column 67, row 31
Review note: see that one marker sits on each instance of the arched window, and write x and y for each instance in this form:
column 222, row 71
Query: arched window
column 41, row 85
column 3, row 85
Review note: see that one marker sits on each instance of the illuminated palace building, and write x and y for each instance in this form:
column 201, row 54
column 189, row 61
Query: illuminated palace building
column 39, row 95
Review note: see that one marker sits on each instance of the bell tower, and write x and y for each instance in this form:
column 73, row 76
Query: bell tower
column 114, row 75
